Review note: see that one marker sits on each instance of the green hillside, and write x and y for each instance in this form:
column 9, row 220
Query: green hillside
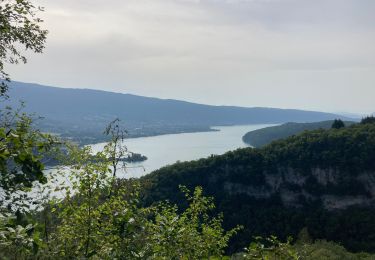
column 323, row 180
column 264, row 136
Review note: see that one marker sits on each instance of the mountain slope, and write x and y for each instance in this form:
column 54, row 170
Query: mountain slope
column 264, row 136
column 92, row 110
column 323, row 180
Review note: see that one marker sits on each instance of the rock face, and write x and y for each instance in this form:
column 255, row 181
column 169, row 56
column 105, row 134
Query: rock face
column 293, row 187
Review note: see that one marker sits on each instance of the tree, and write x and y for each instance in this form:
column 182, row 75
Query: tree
column 20, row 144
column 368, row 120
column 22, row 149
column 270, row 249
column 191, row 234
column 19, row 27
column 100, row 217
column 337, row 124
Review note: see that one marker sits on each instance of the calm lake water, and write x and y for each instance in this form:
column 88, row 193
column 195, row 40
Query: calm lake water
column 168, row 149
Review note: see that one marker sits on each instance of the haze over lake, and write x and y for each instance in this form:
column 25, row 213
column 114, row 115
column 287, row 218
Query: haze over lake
column 168, row 149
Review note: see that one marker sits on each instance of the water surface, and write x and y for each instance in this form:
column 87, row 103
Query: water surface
column 167, row 149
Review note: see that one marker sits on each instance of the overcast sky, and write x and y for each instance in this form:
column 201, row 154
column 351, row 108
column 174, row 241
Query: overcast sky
column 309, row 54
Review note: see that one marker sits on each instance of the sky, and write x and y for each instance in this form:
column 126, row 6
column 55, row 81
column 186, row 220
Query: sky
column 305, row 54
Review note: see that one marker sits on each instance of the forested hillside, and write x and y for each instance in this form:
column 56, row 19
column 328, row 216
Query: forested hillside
column 322, row 180
column 264, row 136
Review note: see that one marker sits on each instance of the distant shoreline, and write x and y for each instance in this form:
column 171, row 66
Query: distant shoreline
column 89, row 140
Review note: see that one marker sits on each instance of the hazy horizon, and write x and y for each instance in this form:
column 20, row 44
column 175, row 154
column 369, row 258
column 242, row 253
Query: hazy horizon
column 311, row 55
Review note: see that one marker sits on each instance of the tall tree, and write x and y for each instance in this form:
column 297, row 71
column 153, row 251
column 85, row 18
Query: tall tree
column 337, row 124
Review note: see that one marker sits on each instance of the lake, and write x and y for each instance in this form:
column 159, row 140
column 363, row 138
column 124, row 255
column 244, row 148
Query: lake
column 167, row 149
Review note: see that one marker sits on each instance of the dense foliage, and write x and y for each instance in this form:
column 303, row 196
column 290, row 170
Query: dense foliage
column 19, row 27
column 273, row 249
column 21, row 146
column 368, row 120
column 338, row 123
column 99, row 217
column 308, row 169
column 264, row 136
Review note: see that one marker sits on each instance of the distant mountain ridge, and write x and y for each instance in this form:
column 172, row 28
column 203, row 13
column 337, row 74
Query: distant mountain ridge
column 69, row 110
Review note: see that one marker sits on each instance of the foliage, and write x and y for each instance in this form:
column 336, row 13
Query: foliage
column 270, row 248
column 115, row 149
column 337, row 124
column 100, row 218
column 191, row 234
column 22, row 149
column 15, row 242
column 273, row 249
column 103, row 218
column 322, row 249
column 21, row 146
column 264, row 136
column 368, row 120
column 241, row 183
column 19, row 27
